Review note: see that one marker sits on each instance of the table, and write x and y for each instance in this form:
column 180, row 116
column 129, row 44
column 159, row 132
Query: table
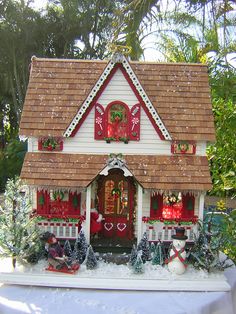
column 42, row 300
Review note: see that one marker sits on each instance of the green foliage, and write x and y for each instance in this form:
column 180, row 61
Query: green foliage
column 228, row 228
column 222, row 154
column 205, row 254
column 19, row 238
column 11, row 160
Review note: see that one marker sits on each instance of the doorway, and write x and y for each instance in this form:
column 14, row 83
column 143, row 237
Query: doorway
column 116, row 203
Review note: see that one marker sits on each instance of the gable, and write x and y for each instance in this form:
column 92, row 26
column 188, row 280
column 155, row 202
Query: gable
column 118, row 62
column 58, row 87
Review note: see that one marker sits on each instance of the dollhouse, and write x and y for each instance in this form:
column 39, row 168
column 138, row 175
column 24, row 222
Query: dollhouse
column 127, row 138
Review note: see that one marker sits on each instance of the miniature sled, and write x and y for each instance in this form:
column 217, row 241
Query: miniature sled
column 64, row 270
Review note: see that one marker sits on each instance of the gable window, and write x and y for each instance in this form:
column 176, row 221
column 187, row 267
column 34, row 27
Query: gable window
column 117, row 122
column 172, row 205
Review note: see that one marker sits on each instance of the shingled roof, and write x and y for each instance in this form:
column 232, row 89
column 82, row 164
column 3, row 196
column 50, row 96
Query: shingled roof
column 152, row 172
column 179, row 92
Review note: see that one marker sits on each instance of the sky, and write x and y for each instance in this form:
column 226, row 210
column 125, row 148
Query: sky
column 150, row 52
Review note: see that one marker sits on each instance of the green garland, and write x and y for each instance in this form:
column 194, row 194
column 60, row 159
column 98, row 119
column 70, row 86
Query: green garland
column 59, row 194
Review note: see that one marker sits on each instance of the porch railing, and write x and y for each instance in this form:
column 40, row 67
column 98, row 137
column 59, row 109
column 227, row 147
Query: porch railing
column 159, row 231
column 62, row 230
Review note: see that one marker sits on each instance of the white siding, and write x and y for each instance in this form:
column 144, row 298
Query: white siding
column 150, row 142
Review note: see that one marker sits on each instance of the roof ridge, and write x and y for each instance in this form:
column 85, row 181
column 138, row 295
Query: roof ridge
column 33, row 58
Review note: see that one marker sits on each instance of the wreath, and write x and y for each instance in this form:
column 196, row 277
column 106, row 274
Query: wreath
column 116, row 193
column 116, row 116
column 183, row 146
column 58, row 195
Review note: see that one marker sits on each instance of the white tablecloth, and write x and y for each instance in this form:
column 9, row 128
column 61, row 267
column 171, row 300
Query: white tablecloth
column 40, row 300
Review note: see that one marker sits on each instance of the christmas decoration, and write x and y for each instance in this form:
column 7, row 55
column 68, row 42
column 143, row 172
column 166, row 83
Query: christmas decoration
column 19, row 238
column 80, row 248
column 144, row 247
column 177, row 256
column 50, row 143
column 67, row 249
column 159, row 254
column 57, row 259
column 205, row 254
column 90, row 259
column 138, row 267
column 133, row 255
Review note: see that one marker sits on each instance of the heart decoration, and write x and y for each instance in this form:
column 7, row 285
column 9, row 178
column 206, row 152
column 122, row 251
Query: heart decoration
column 108, row 226
column 121, row 226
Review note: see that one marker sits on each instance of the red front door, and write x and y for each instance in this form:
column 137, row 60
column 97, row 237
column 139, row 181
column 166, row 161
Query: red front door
column 116, row 203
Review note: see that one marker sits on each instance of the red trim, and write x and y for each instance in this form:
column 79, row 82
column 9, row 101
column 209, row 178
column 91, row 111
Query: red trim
column 141, row 101
column 100, row 91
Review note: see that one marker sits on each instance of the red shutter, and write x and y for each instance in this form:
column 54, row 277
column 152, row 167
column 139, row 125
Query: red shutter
column 74, row 203
column 188, row 205
column 99, row 123
column 42, row 202
column 156, row 205
column 134, row 130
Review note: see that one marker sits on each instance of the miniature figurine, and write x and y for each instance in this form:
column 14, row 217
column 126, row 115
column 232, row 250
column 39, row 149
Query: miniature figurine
column 56, row 257
column 176, row 261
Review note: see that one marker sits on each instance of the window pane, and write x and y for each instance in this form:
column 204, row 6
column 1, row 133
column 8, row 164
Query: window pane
column 117, row 121
column 123, row 203
column 172, row 206
column 109, row 198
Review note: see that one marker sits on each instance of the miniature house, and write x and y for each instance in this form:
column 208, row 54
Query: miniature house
column 128, row 138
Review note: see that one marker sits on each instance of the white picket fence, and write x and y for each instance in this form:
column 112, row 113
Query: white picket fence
column 160, row 231
column 62, row 230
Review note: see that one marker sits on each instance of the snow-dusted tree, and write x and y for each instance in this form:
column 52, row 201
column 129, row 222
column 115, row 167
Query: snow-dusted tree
column 159, row 254
column 152, row 248
column 90, row 259
column 133, row 255
column 138, row 267
column 80, row 248
column 145, row 248
column 205, row 254
column 19, row 238
column 67, row 248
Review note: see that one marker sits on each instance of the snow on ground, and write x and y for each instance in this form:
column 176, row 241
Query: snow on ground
column 111, row 270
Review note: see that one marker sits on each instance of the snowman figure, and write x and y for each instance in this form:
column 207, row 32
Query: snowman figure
column 176, row 261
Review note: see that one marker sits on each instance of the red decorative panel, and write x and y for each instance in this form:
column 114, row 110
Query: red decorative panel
column 134, row 131
column 74, row 203
column 50, row 144
column 43, row 199
column 188, row 201
column 121, row 227
column 156, row 205
column 108, row 227
column 99, row 123
column 183, row 147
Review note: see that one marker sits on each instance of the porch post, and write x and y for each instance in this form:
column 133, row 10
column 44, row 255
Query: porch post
column 139, row 213
column 201, row 205
column 88, row 209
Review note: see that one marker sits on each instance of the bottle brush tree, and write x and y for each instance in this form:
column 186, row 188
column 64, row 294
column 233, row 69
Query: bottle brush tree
column 205, row 254
column 145, row 248
column 19, row 237
column 90, row 259
column 138, row 267
column 80, row 248
column 158, row 255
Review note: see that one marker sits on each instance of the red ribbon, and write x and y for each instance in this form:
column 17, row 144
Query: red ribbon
column 177, row 254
